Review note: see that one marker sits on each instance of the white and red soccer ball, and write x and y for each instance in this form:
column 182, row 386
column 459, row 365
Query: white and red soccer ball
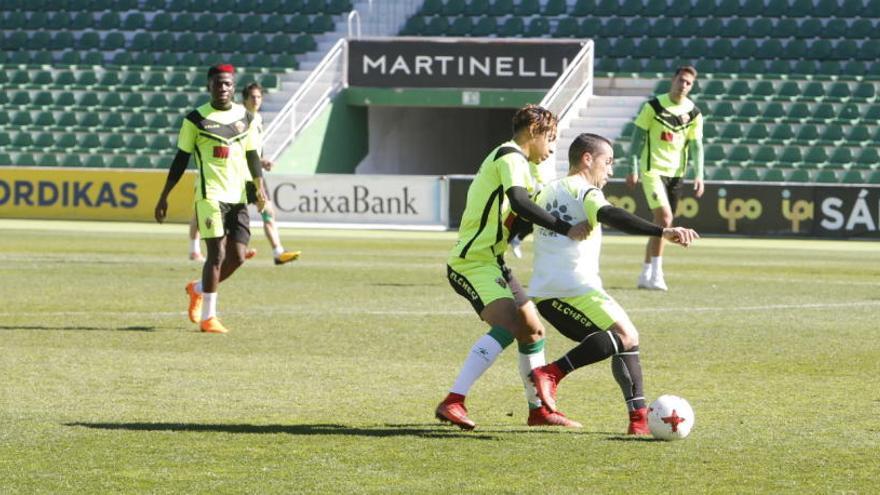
column 670, row 418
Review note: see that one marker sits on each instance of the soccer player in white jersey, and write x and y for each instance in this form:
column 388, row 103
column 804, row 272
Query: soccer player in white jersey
column 565, row 282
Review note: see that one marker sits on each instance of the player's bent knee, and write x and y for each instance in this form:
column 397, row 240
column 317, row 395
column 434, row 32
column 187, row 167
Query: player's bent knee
column 628, row 334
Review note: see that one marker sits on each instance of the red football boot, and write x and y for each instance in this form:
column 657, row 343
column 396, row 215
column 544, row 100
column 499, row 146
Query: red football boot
column 544, row 417
column 453, row 411
column 638, row 422
column 545, row 379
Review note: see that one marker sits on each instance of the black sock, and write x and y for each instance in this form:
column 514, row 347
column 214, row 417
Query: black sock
column 594, row 348
column 627, row 370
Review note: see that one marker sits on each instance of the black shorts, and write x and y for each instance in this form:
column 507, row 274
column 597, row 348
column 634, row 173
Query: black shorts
column 236, row 222
column 673, row 190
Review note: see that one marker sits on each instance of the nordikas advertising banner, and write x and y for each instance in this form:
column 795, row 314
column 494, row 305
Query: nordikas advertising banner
column 91, row 194
column 458, row 63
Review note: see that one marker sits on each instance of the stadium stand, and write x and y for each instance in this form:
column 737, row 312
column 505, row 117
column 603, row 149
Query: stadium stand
column 787, row 85
column 114, row 79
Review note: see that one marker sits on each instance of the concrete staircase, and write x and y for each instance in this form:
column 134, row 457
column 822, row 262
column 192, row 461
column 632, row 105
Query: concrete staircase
column 616, row 103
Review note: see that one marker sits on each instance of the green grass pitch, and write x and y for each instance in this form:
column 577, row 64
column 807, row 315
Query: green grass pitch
column 334, row 364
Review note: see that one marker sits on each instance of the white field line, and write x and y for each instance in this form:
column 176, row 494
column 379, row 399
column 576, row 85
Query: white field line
column 392, row 312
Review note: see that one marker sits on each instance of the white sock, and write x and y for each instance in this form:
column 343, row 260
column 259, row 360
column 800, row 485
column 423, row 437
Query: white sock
column 209, row 305
column 195, row 246
column 657, row 264
column 279, row 250
column 528, row 362
column 646, row 270
column 482, row 355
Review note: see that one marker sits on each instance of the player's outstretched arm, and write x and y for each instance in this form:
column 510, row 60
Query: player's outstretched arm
column 178, row 167
column 680, row 235
column 522, row 205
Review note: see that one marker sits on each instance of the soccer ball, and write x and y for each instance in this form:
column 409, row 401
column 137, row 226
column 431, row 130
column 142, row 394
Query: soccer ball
column 670, row 418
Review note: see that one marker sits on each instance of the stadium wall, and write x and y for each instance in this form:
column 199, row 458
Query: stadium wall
column 91, row 194
column 335, row 142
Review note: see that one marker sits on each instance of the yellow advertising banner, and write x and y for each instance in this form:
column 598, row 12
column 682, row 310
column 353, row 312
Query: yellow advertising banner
column 91, row 194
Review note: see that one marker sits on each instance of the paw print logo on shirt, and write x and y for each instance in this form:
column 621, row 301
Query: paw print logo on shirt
column 558, row 211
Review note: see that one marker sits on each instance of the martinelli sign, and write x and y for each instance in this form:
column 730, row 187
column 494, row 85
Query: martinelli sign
column 458, row 63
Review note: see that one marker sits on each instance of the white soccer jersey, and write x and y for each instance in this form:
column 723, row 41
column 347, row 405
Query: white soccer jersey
column 563, row 267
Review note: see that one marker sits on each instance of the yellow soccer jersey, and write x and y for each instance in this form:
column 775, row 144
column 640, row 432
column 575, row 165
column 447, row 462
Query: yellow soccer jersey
column 487, row 216
column 218, row 140
column 671, row 127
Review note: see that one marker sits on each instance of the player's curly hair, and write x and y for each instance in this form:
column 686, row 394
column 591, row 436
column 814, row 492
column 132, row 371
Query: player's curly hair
column 534, row 117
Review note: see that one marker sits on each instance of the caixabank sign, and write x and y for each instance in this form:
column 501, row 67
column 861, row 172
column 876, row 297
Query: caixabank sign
column 359, row 199
column 740, row 208
column 458, row 63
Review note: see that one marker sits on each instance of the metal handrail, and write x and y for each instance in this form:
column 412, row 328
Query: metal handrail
column 355, row 15
column 287, row 118
column 555, row 100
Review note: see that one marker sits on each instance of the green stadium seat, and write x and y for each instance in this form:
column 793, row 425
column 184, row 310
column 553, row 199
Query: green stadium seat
column 66, row 141
column 826, row 176
column 807, row 133
column 714, row 87
column 477, row 8
column 873, row 113
column 161, row 142
column 833, row 133
column 839, row 90
column 113, row 120
column 142, row 161
column 798, row 112
column 773, row 111
column 321, row 24
column 528, row 8
column 868, row 158
column 748, row 175
column 715, row 153
column 512, row 27
column 865, row 91
column 159, row 121
column 860, row 29
column 25, row 160
column 735, row 27
column 436, row 26
column 58, row 20
column 538, row 27
column 45, row 119
column 136, row 142
column 89, row 40
column 44, row 140
column 852, row 177
column 813, row 90
column 732, row 132
column 415, row 26
column 48, row 160
column 5, row 159
column 791, row 156
column 95, row 161
column 788, row 90
column 22, row 140
column 304, row 43
column 841, row 157
column 555, row 7
column 22, row 119
column 739, row 155
column 749, row 111
column 462, row 26
column 799, row 175
column 454, row 8
column 773, row 175
column 485, row 26
column 757, row 133
column 89, row 119
column 874, row 178
column 815, row 157
column 722, row 173
column 824, row 112
column 859, row 134
column 765, row 155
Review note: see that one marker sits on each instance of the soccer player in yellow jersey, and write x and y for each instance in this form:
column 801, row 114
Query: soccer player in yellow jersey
column 253, row 100
column 499, row 194
column 669, row 129
column 222, row 137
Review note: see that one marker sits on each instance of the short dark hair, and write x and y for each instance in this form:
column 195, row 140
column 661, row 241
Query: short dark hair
column 529, row 115
column 585, row 143
column 690, row 69
column 250, row 87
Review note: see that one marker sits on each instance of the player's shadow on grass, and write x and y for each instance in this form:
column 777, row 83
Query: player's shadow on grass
column 314, row 429
column 79, row 328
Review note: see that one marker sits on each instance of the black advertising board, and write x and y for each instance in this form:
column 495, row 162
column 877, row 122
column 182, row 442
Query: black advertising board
column 754, row 209
column 458, row 63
